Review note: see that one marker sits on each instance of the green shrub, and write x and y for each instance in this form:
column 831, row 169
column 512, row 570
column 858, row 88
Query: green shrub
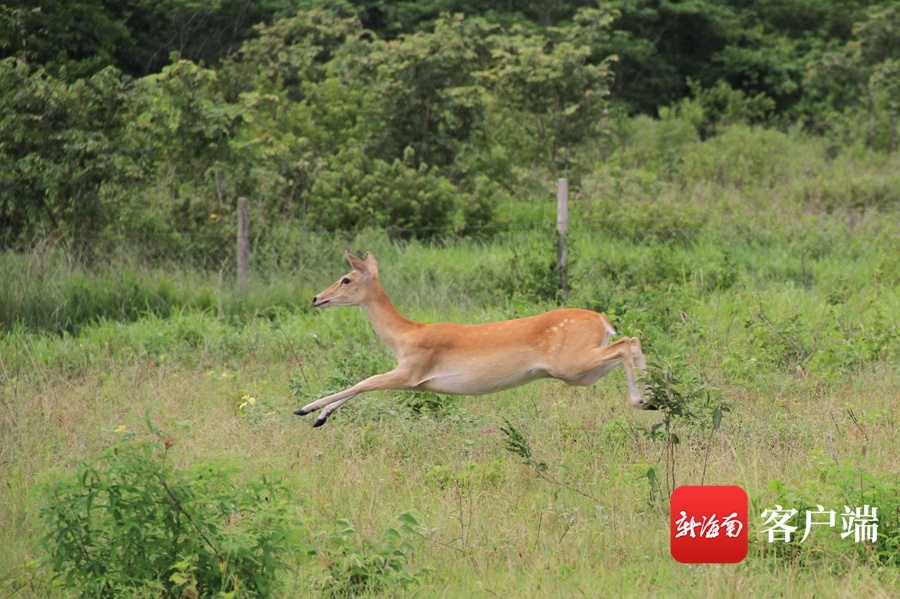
column 684, row 399
column 355, row 192
column 748, row 157
column 358, row 566
column 531, row 274
column 660, row 146
column 840, row 189
column 130, row 523
column 635, row 205
column 853, row 338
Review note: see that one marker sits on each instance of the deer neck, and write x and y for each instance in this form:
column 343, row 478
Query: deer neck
column 387, row 321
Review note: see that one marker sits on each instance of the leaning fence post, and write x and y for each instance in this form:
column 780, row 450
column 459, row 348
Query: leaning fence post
column 243, row 245
column 562, row 230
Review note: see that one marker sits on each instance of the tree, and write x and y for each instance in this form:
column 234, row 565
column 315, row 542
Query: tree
column 556, row 82
column 64, row 152
column 393, row 19
column 297, row 108
column 72, row 39
column 861, row 78
column 184, row 126
column 355, row 191
column 293, row 51
column 426, row 94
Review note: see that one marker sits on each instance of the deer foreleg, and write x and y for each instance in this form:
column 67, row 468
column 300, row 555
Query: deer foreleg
column 389, row 380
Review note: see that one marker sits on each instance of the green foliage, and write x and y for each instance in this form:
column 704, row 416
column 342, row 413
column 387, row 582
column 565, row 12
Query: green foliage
column 721, row 105
column 356, row 567
column 684, row 399
column 65, row 153
column 554, row 81
column 660, row 146
column 356, row 192
column 425, row 402
column 530, row 275
column 742, row 156
column 132, row 523
column 466, row 475
column 185, row 125
column 786, row 343
column 427, row 95
column 469, row 110
column 44, row 292
column 72, row 39
column 292, row 52
column 401, row 16
column 767, row 72
column 858, row 81
column 661, row 44
column 841, row 487
column 517, row 444
column 78, row 38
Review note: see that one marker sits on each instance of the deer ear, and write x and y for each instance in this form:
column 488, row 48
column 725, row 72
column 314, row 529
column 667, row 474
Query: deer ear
column 371, row 263
column 358, row 265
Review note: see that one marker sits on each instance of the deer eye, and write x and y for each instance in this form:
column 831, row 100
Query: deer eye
column 345, row 281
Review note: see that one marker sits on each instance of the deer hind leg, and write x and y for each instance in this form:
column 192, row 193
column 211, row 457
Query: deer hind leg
column 638, row 354
column 600, row 361
column 389, row 380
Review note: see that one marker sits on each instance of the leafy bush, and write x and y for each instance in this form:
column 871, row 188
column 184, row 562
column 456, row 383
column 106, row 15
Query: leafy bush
column 721, row 105
column 785, row 342
column 636, row 205
column 356, row 566
column 356, row 192
column 131, row 523
column 682, row 397
column 531, row 274
column 852, row 339
column 660, row 146
column 841, row 187
column 744, row 156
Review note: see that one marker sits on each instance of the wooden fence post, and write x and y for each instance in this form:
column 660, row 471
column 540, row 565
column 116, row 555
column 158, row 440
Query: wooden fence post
column 243, row 245
column 562, row 230
column 870, row 137
column 893, row 113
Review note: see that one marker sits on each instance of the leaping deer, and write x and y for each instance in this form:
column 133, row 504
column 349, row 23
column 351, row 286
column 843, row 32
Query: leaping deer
column 474, row 359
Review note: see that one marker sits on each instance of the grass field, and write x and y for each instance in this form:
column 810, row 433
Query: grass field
column 789, row 321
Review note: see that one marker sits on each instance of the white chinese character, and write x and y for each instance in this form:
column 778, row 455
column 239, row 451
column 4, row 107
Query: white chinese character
column 778, row 518
column 731, row 524
column 862, row 522
column 710, row 528
column 686, row 527
column 810, row 522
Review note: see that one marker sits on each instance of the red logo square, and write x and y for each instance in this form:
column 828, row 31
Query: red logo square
column 709, row 524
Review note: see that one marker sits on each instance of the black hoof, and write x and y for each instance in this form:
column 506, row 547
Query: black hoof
column 319, row 422
column 301, row 412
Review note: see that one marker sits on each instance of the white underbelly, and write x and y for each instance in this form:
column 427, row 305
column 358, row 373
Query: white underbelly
column 472, row 384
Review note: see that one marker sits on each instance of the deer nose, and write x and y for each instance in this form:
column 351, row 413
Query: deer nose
column 314, row 299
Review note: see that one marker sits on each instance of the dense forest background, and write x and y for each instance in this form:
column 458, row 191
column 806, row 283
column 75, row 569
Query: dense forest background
column 430, row 119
